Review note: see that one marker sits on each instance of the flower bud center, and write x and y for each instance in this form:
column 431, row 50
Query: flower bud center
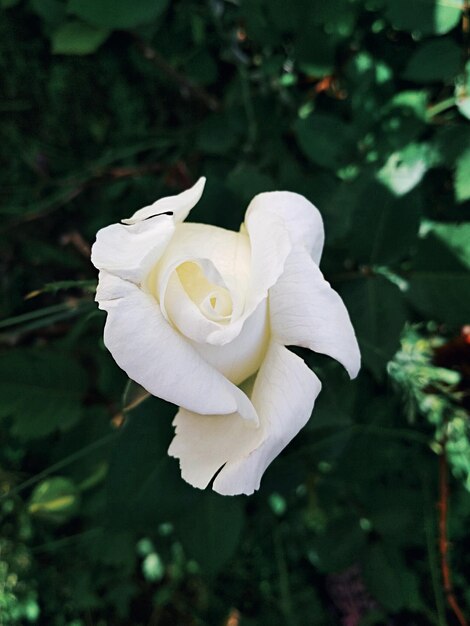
column 213, row 300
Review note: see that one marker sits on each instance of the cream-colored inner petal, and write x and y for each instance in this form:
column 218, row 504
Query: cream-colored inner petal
column 214, row 301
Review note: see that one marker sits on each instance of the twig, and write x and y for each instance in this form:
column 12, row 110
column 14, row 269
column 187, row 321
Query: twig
column 94, row 445
column 443, row 506
column 466, row 28
column 183, row 82
column 63, row 198
column 77, row 241
column 285, row 600
column 252, row 126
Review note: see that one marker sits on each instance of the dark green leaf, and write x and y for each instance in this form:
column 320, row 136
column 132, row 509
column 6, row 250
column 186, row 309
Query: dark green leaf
column 211, row 529
column 325, row 139
column 456, row 237
column 389, row 580
column 121, row 14
column 439, row 283
column 434, row 61
column 378, row 315
column 77, row 38
column 425, row 16
column 334, row 555
column 246, row 181
column 41, row 391
column 144, row 484
column 396, row 224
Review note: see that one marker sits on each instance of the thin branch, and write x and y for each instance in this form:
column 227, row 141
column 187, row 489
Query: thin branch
column 185, row 84
column 285, row 600
column 65, row 196
column 443, row 507
column 94, row 445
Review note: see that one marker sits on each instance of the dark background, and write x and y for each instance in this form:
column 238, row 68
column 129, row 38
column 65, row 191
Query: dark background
column 363, row 107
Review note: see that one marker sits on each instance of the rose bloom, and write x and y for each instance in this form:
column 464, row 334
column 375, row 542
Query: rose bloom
column 201, row 316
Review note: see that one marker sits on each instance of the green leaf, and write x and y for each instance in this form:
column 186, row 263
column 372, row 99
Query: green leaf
column 378, row 315
column 429, row 17
column 56, row 499
column 315, row 52
column 462, row 177
column 325, row 139
column 51, row 12
column 434, row 61
column 334, row 555
column 462, row 92
column 78, row 38
column 122, row 14
column 212, row 532
column 415, row 101
column 389, row 580
column 334, row 406
column 439, row 283
column 456, row 237
column 220, row 133
column 396, row 223
column 247, row 180
column 144, row 485
column 41, row 391
column 405, row 168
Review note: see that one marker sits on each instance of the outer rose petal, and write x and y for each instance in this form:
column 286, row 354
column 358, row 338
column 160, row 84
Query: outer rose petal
column 155, row 355
column 301, row 218
column 283, row 394
column 130, row 249
column 306, row 311
column 204, row 443
column 180, row 205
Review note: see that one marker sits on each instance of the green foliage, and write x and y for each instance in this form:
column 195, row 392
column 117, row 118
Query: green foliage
column 462, row 177
column 378, row 314
column 436, row 60
column 55, row 499
column 122, row 14
column 424, row 16
column 363, row 107
column 77, row 38
column 41, row 391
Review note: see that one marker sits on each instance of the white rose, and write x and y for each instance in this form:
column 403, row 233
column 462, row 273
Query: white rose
column 196, row 310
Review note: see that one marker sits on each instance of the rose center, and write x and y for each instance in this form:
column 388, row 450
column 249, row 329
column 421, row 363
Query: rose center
column 213, row 300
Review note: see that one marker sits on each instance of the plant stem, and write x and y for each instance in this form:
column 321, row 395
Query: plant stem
column 443, row 506
column 284, row 586
column 184, row 83
column 440, row 107
column 59, row 465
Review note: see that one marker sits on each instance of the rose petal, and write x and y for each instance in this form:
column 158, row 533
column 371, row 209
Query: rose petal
column 224, row 256
column 180, row 205
column 306, row 311
column 270, row 246
column 242, row 357
column 301, row 218
column 204, row 443
column 129, row 250
column 284, row 394
column 155, row 355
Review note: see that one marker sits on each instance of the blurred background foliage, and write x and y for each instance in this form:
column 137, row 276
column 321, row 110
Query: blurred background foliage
column 362, row 106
